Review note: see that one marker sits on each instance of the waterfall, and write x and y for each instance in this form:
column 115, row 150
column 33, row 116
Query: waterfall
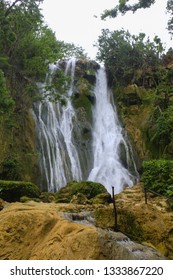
column 58, row 152
column 107, row 140
column 59, row 162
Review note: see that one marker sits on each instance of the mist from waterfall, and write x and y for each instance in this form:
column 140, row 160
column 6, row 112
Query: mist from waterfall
column 58, row 152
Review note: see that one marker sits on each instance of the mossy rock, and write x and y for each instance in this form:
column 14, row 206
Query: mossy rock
column 79, row 199
column 13, row 190
column 26, row 199
column 104, row 217
column 102, row 198
column 130, row 225
column 83, row 97
column 47, row 197
column 87, row 188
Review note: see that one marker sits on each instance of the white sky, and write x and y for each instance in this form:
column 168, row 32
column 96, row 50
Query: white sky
column 74, row 21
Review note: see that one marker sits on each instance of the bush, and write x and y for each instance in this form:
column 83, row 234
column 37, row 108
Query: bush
column 13, row 190
column 87, row 188
column 10, row 169
column 158, row 176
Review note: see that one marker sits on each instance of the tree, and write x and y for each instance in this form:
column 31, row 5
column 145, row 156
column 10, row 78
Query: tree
column 170, row 11
column 124, row 6
column 27, row 48
column 129, row 58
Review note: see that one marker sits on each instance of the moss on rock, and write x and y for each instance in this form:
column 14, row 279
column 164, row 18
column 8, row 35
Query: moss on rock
column 87, row 188
column 104, row 217
column 80, row 199
column 13, row 190
column 102, row 198
column 47, row 197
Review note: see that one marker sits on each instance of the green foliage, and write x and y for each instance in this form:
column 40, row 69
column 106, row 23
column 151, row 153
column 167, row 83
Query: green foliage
column 70, row 50
column 10, row 169
column 6, row 102
column 87, row 188
column 38, row 54
column 170, row 11
column 13, row 190
column 124, row 6
column 158, row 176
column 162, row 129
column 27, row 48
column 129, row 58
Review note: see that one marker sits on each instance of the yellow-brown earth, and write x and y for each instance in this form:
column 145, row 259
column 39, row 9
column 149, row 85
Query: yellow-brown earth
column 34, row 230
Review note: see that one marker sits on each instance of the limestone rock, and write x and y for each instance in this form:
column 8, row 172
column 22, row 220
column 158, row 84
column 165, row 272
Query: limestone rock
column 41, row 231
column 151, row 222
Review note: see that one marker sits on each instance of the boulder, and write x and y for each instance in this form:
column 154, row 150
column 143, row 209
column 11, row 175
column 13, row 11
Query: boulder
column 86, row 188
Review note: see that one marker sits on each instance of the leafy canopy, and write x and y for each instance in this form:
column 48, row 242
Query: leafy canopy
column 158, row 176
column 127, row 56
column 27, row 47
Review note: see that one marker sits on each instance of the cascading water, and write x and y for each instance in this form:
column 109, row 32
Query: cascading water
column 59, row 155
column 59, row 162
column 66, row 126
column 107, row 140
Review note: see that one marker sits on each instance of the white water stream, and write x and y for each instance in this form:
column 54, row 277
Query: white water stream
column 59, row 162
column 107, row 137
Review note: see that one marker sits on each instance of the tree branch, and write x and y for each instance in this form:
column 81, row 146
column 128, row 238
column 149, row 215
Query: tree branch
column 8, row 11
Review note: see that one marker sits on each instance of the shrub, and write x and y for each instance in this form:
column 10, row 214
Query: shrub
column 10, row 169
column 13, row 190
column 158, row 176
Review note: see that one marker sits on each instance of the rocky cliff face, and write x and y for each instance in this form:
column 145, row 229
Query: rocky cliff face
column 18, row 156
column 135, row 114
column 83, row 100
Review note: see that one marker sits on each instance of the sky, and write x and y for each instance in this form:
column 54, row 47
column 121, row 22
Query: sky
column 78, row 21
